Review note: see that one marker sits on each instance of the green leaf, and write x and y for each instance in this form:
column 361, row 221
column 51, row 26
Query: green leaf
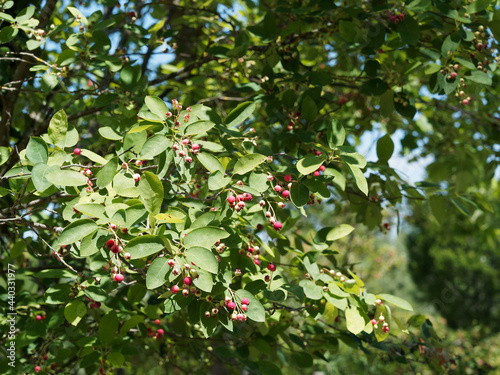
column 385, row 148
column 76, row 231
column 66, row 177
column 255, row 311
column 143, row 246
column 92, row 209
column 309, row 109
column 203, row 258
column 210, row 162
column 55, row 274
column 247, row 163
column 330, row 313
column 204, row 237
column 397, row 301
column 477, row 6
column 37, row 150
column 311, row 290
column 75, row 311
column 359, row 178
column 309, row 164
column 351, row 157
column 409, row 30
column 58, row 127
column 77, row 14
column 299, row 194
column 169, row 218
column 302, row 359
column 338, row 232
column 258, row 182
column 355, row 321
column 109, row 133
column 151, row 192
column 479, row 77
column 217, row 181
column 240, row 114
column 204, row 281
column 39, row 176
column 374, row 87
column 116, row 359
column 108, row 327
column 155, row 146
column 157, row 106
column 157, row 272
column 197, row 127
column 107, row 173
column 335, row 134
column 94, row 157
column 4, row 155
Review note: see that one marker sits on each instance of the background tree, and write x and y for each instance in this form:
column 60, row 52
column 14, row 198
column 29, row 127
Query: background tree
column 161, row 164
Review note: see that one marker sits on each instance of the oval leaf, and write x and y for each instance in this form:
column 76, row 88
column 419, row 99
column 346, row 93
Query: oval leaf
column 144, row 246
column 157, row 273
column 76, row 231
column 397, row 301
column 203, row 258
column 247, row 163
column 255, row 311
column 309, row 164
column 151, row 191
column 37, row 150
column 75, row 311
column 204, row 237
column 240, row 114
column 338, row 232
column 157, row 106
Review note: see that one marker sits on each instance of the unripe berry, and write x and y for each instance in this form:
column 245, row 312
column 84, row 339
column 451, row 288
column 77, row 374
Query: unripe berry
column 124, row 165
column 215, row 311
column 281, row 205
column 239, row 183
column 185, row 292
column 119, row 278
column 136, row 177
column 171, row 263
column 270, row 178
column 207, row 314
column 277, row 225
column 127, row 256
column 77, row 151
column 182, row 153
column 277, row 188
column 237, row 272
column 271, row 266
column 262, row 203
column 185, row 141
column 112, row 226
column 189, row 159
column 241, row 204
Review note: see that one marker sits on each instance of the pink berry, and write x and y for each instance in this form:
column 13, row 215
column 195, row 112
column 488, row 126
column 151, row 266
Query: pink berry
column 244, row 307
column 195, row 146
column 465, row 102
column 270, row 178
column 112, row 226
column 277, row 225
column 124, row 165
column 231, row 305
column 277, row 188
column 185, row 141
column 318, row 153
column 161, row 331
column 285, row 193
column 171, row 263
column 257, row 262
column 189, row 159
column 245, row 301
column 288, row 178
column 271, row 267
column 248, row 197
column 322, row 168
column 453, row 75
column 77, row 151
column 231, row 199
column 37, row 368
column 136, row 177
column 119, row 278
column 182, row 153
column 174, row 289
column 240, row 197
column 374, row 321
column 188, row 281
column 317, row 173
column 38, row 317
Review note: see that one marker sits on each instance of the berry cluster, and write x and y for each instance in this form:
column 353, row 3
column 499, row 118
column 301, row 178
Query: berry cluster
column 238, row 202
column 188, row 274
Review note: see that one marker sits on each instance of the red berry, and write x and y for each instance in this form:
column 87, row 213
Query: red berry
column 271, row 267
column 244, row 307
column 245, row 301
column 453, row 75
column 174, row 289
column 45, row 357
column 189, row 159
column 161, row 331
column 248, row 197
column 112, row 226
column 277, row 225
column 374, row 321
column 38, row 317
column 318, row 153
column 288, row 178
column 188, row 281
column 110, row 244
column 322, row 168
column 317, row 173
column 37, row 368
column 115, row 249
column 231, row 305
column 231, row 199
column 257, row 262
column 277, row 188
column 119, row 278
column 285, row 193
column 240, row 197
column 195, row 146
column 157, row 321
column 77, row 151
